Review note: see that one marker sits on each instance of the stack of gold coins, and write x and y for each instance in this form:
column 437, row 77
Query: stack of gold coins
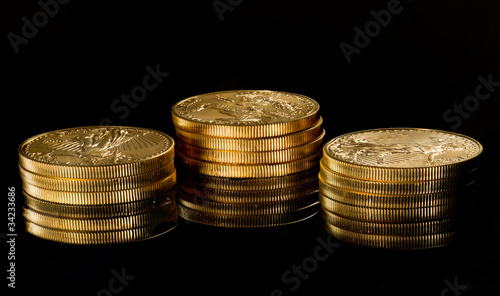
column 397, row 188
column 248, row 158
column 98, row 185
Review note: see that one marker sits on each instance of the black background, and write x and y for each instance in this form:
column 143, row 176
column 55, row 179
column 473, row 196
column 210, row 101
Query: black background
column 427, row 59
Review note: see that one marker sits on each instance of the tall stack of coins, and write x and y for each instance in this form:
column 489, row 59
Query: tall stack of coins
column 248, row 158
column 98, row 185
column 396, row 188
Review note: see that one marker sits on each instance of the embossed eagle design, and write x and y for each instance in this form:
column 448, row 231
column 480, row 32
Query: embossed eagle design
column 253, row 107
column 102, row 147
column 363, row 151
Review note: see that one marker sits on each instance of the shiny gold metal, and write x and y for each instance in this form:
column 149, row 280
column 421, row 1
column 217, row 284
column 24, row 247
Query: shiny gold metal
column 399, row 229
column 247, row 209
column 96, row 185
column 389, row 215
column 100, row 238
column 388, row 201
column 252, row 145
column 248, row 171
column 393, row 188
column 262, row 157
column 393, row 241
column 200, row 181
column 245, row 114
column 251, row 196
column 255, row 221
column 154, row 217
column 401, row 154
column 100, row 211
column 96, row 152
column 102, row 197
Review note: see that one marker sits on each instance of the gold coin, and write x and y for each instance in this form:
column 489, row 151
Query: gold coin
column 200, row 181
column 248, row 171
column 150, row 218
column 388, row 215
column 245, row 114
column 239, row 157
column 256, row 221
column 104, row 197
column 96, row 185
column 388, row 201
column 401, row 154
column 399, row 229
column 393, row 241
column 99, row 211
column 392, row 188
column 251, row 196
column 98, row 238
column 246, row 209
column 96, row 152
column 252, row 145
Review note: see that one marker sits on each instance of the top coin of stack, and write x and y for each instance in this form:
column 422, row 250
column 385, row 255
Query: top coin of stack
column 249, row 157
column 396, row 187
column 97, row 185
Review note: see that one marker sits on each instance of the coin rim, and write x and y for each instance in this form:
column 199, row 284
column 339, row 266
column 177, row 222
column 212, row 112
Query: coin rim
column 392, row 241
column 371, row 200
column 103, row 197
column 247, row 209
column 96, row 185
column 252, row 196
column 266, row 183
column 150, row 218
column 258, row 144
column 393, row 188
column 99, row 211
column 94, row 238
column 388, row 228
column 250, row 157
column 389, row 215
column 256, row 221
column 248, row 171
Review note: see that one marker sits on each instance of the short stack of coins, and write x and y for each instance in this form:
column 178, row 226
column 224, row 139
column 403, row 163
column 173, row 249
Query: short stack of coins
column 99, row 184
column 397, row 188
column 248, row 158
